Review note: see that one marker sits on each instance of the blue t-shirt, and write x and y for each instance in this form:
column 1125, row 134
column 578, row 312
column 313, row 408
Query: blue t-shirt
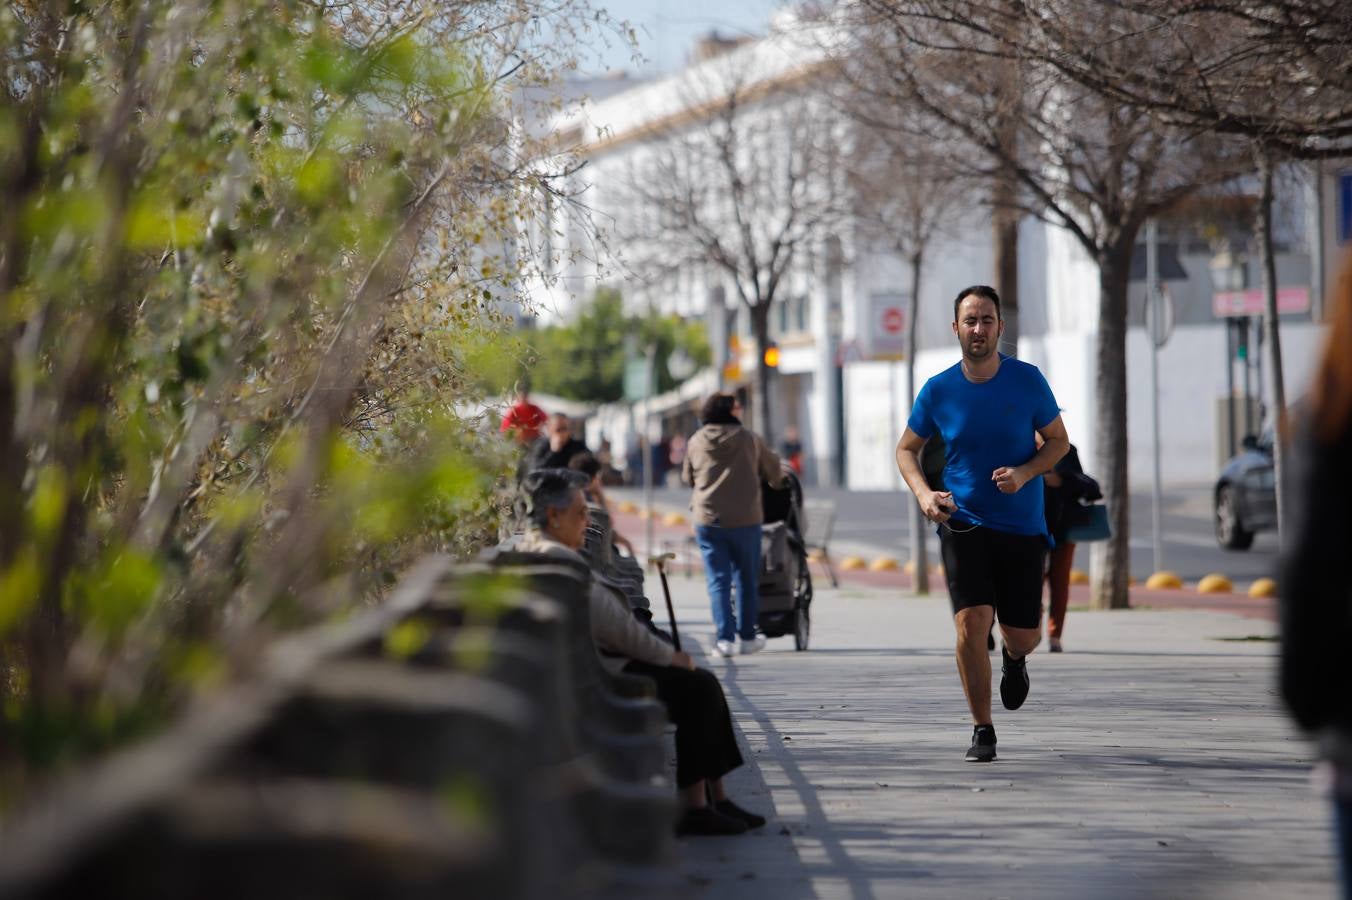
column 985, row 426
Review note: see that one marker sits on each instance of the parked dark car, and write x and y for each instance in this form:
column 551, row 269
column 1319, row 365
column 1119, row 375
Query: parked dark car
column 1246, row 494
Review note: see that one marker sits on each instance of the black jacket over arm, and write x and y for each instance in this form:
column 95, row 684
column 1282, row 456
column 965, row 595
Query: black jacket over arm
column 1057, row 501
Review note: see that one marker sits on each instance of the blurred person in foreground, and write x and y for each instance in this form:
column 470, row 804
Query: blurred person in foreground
column 1316, row 600
column 706, row 746
column 725, row 464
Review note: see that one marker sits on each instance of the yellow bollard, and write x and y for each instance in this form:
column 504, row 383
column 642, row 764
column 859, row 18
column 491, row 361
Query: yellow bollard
column 674, row 519
column 1163, row 580
column 627, row 507
column 1263, row 588
column 1079, row 576
column 853, row 564
column 1215, row 584
column 883, row 564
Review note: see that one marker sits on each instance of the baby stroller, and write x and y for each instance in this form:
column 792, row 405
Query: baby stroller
column 785, row 582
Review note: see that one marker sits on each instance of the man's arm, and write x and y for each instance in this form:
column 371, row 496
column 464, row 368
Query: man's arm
column 936, row 505
column 1055, row 444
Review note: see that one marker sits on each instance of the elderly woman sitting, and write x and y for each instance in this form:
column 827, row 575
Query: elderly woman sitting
column 706, row 748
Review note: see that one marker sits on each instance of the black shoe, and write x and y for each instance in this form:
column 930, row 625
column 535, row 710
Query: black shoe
column 705, row 820
column 1014, row 681
column 983, row 744
column 733, row 811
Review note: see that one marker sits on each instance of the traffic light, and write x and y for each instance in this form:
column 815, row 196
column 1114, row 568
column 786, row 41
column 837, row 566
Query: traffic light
column 772, row 355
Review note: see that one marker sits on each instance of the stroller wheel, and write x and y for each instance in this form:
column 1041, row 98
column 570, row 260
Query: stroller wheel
column 802, row 627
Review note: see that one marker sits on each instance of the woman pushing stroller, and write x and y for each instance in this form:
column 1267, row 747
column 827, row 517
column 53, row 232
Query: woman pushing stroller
column 725, row 464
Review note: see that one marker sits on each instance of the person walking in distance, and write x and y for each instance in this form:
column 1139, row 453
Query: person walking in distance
column 992, row 530
column 1063, row 488
column 725, row 464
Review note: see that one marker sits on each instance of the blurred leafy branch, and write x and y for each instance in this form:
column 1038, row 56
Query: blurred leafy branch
column 251, row 252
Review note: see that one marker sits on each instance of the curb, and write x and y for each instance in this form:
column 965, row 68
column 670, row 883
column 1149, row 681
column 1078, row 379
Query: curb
column 1214, row 584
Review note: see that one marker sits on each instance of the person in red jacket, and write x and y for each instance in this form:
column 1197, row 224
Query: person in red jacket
column 523, row 420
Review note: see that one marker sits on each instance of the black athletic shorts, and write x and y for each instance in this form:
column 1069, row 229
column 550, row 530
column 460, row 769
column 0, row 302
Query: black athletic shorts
column 985, row 567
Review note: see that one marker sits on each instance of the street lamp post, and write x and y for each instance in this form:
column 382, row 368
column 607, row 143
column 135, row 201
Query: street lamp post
column 1157, row 332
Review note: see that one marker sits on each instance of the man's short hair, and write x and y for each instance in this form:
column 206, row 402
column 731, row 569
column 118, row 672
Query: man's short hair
column 561, row 419
column 548, row 489
column 984, row 291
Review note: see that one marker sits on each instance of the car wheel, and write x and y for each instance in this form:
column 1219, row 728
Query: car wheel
column 1230, row 531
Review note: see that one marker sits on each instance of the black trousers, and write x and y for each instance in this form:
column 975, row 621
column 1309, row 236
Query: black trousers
column 706, row 746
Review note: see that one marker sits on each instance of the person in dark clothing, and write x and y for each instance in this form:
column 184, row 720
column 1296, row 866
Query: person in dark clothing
column 1062, row 489
column 1316, row 602
column 557, row 447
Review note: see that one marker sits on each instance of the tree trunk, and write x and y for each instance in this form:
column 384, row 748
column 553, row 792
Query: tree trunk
column 1004, row 197
column 1273, row 332
column 760, row 322
column 919, row 551
column 1109, row 587
column 1005, row 225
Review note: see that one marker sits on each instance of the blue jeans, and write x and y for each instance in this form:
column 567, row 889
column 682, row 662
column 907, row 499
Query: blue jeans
column 729, row 553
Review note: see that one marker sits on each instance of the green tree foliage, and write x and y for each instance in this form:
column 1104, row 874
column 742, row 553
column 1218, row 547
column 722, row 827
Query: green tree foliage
column 584, row 359
column 249, row 256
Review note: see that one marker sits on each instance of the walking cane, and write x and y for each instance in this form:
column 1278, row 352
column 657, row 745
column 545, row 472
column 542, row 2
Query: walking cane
column 661, row 563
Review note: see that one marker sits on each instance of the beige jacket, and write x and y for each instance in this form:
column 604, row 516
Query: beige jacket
column 613, row 625
column 725, row 465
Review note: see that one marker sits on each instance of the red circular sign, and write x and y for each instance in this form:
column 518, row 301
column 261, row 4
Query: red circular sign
column 892, row 320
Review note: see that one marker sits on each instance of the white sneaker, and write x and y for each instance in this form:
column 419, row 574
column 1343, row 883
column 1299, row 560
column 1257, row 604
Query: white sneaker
column 755, row 645
column 724, row 648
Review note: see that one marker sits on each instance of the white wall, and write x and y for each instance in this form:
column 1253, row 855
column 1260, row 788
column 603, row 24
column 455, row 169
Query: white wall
column 1191, row 379
column 876, row 408
column 875, row 414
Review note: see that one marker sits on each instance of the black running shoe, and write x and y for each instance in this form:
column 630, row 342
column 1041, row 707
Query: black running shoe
column 1013, row 681
column 733, row 811
column 983, row 744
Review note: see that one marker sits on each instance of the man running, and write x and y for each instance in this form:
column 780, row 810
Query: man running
column 991, row 525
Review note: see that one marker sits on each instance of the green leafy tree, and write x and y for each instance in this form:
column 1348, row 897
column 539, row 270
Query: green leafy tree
column 584, row 359
column 248, row 261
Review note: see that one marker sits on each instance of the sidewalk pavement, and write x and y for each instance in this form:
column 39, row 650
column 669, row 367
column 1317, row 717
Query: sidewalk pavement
column 1151, row 759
